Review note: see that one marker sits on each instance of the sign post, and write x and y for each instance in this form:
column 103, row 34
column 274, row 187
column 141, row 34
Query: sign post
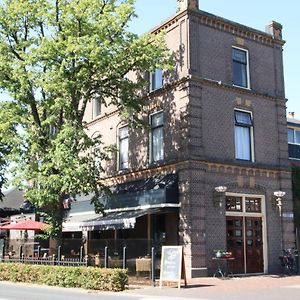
column 172, row 265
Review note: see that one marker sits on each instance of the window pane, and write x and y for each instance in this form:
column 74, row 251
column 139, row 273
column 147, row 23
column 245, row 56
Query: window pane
column 297, row 137
column 242, row 118
column 156, row 79
column 238, row 233
column 242, row 143
column 239, row 75
column 123, row 147
column 123, row 132
column 239, row 55
column 157, row 120
column 290, row 135
column 124, row 153
column 233, row 203
column 157, row 144
column 253, row 204
column 96, row 107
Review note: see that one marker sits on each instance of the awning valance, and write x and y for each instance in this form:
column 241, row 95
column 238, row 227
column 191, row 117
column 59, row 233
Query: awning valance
column 116, row 220
column 72, row 222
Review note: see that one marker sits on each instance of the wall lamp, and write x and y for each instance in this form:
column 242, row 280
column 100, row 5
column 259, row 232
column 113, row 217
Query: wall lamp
column 219, row 193
column 278, row 199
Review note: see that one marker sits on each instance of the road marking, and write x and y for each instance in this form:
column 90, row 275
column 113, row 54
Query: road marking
column 296, row 286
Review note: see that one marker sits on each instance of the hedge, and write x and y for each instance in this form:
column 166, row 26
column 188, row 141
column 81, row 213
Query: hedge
column 79, row 277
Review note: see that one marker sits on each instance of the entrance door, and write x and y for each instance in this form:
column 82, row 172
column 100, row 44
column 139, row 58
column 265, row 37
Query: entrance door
column 254, row 245
column 244, row 240
column 235, row 244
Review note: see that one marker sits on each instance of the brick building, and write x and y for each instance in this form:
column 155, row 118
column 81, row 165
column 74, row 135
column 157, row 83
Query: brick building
column 205, row 174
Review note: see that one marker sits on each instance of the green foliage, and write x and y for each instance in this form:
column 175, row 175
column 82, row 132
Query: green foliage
column 55, row 57
column 76, row 277
column 8, row 138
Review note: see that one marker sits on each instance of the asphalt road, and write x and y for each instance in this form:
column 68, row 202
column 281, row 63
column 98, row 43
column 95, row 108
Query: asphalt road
column 15, row 291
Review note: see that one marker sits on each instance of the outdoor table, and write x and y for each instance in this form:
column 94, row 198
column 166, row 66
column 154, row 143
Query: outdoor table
column 219, row 270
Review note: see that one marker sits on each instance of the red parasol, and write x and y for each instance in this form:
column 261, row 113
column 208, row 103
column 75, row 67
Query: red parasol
column 26, row 225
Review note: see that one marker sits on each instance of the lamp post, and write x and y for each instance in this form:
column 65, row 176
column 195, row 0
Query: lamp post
column 278, row 200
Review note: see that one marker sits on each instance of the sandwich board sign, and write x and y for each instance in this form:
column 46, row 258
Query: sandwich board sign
column 172, row 265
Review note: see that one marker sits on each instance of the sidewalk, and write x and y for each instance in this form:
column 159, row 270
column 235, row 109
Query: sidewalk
column 252, row 288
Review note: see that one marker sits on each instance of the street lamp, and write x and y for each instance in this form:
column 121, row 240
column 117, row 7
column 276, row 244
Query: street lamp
column 221, row 191
column 278, row 199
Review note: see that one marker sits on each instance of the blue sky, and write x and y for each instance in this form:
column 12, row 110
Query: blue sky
column 256, row 14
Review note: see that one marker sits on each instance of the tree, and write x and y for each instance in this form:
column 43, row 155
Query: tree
column 55, row 56
column 2, row 168
column 8, row 139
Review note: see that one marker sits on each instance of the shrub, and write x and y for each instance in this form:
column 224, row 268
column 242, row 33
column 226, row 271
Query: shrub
column 81, row 277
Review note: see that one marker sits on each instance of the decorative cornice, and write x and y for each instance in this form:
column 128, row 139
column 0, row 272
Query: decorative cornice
column 221, row 24
column 224, row 168
column 236, row 28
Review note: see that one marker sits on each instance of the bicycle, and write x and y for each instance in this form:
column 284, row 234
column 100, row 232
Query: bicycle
column 289, row 261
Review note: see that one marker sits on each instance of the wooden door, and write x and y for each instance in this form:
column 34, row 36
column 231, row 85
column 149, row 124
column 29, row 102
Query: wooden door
column 235, row 244
column 254, row 245
column 244, row 240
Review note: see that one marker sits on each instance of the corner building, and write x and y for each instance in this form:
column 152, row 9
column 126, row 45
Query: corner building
column 218, row 141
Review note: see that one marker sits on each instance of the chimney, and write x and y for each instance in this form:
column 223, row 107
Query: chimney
column 188, row 4
column 275, row 29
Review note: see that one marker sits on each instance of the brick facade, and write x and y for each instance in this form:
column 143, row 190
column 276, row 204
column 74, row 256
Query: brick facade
column 198, row 101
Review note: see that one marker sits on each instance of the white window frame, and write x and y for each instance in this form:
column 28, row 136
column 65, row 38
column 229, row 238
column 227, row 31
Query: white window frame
column 153, row 80
column 261, row 215
column 151, row 137
column 252, row 158
column 120, row 167
column 247, row 67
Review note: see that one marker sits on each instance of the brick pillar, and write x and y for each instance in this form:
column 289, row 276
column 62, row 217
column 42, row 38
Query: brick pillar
column 192, row 220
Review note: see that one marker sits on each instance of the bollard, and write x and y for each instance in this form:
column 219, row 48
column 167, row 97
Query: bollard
column 20, row 253
column 86, row 260
column 59, row 253
column 106, row 257
column 3, row 251
column 153, row 266
column 81, row 254
column 39, row 251
column 97, row 260
column 124, row 258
